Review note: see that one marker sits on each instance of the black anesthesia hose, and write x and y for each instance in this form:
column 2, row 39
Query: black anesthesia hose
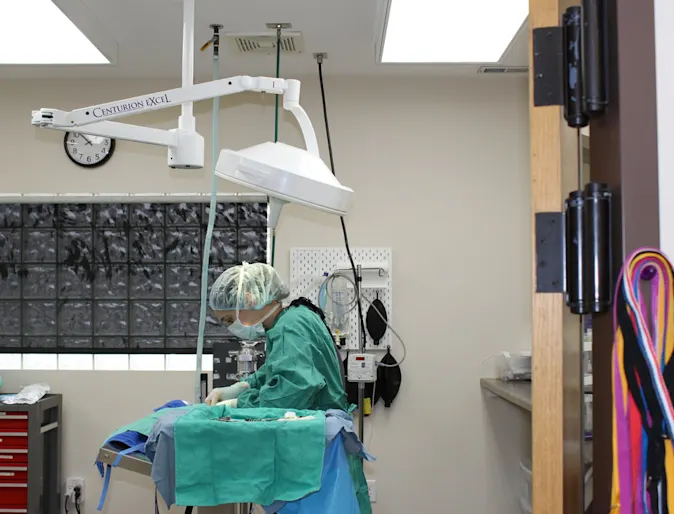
column 346, row 236
column 356, row 274
column 276, row 123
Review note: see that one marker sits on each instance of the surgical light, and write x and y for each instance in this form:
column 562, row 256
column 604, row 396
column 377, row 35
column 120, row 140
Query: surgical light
column 38, row 32
column 450, row 31
column 287, row 173
column 284, row 173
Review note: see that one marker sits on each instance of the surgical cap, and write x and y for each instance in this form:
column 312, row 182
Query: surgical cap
column 249, row 286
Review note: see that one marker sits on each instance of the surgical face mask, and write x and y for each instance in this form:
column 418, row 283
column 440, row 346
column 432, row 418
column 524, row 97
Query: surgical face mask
column 250, row 332
column 247, row 333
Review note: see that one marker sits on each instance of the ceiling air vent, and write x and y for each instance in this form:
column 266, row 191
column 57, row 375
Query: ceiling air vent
column 265, row 42
column 503, row 70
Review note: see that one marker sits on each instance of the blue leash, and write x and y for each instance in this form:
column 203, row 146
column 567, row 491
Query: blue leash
column 108, row 469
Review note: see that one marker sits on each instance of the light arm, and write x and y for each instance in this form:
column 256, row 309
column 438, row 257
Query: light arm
column 155, row 101
column 94, row 118
column 126, row 131
column 185, row 144
column 291, row 102
column 307, row 129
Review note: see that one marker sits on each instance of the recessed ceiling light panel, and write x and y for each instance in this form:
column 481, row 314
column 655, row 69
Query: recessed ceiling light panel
column 38, row 32
column 450, row 31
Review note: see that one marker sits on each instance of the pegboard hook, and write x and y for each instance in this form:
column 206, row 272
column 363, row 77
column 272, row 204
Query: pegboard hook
column 311, row 264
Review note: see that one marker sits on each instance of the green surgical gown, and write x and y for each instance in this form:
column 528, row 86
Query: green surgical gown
column 301, row 370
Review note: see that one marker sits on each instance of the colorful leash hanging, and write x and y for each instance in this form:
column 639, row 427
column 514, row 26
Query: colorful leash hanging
column 643, row 377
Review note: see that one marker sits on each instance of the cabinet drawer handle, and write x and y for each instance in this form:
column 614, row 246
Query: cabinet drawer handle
column 7, row 486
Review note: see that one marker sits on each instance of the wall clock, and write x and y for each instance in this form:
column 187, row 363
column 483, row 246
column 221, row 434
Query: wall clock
column 87, row 150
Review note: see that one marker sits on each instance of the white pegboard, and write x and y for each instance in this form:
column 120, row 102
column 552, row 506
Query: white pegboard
column 307, row 265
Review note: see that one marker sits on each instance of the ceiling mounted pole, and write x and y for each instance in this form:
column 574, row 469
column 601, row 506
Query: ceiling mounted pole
column 186, row 120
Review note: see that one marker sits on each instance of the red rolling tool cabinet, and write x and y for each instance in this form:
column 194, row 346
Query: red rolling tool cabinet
column 30, row 457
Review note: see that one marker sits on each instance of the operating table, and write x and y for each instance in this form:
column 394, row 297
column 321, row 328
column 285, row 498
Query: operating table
column 137, row 463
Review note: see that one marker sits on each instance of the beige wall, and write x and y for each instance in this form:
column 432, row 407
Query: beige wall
column 441, row 173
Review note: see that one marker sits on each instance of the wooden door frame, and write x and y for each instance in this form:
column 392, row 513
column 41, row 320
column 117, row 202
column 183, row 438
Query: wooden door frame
column 623, row 154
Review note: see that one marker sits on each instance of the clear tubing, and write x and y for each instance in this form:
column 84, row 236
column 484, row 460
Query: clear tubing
column 209, row 233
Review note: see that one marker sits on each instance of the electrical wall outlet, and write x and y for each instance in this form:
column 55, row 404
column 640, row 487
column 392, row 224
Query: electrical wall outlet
column 372, row 490
column 71, row 484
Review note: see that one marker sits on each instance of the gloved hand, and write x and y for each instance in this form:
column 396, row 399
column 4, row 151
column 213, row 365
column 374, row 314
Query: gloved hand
column 226, row 393
column 229, row 403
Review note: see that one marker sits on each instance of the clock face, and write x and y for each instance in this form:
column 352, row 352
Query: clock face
column 88, row 151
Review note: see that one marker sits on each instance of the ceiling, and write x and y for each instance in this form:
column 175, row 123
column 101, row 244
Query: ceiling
column 144, row 39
